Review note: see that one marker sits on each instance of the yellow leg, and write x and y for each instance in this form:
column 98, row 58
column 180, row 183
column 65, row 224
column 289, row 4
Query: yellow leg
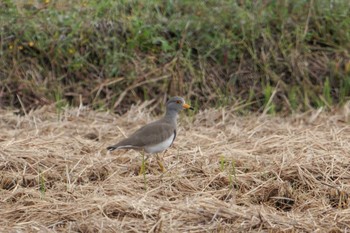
column 143, row 164
column 143, row 169
column 160, row 164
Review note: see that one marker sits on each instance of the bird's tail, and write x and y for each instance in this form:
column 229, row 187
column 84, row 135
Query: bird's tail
column 112, row 148
column 121, row 146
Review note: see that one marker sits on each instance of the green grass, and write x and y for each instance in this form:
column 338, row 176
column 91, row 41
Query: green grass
column 215, row 53
column 42, row 186
column 293, row 98
column 344, row 89
column 268, row 99
column 232, row 174
column 230, row 168
column 60, row 102
column 327, row 92
column 222, row 163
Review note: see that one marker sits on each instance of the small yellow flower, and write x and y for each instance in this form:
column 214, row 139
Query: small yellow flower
column 11, row 46
column 31, row 44
column 20, row 47
column 47, row 1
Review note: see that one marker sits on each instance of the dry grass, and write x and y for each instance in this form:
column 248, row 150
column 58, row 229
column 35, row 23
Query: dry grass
column 225, row 173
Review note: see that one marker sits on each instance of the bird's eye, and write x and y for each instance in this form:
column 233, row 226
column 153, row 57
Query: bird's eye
column 178, row 102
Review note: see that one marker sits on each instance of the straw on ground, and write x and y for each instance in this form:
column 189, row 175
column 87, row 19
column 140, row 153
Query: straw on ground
column 225, row 173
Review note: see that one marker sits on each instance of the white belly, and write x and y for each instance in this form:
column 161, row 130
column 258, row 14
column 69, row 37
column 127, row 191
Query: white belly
column 156, row 148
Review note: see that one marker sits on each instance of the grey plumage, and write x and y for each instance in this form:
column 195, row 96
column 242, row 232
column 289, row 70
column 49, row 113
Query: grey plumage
column 155, row 132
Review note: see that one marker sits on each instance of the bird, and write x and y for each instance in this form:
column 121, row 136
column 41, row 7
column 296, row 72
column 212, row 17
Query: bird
column 157, row 136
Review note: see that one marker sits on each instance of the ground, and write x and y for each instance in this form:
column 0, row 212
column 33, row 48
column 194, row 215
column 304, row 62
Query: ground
column 225, row 173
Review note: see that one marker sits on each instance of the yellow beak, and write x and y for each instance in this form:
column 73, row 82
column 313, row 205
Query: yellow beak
column 187, row 106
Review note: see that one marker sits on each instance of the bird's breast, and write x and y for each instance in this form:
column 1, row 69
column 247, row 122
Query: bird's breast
column 159, row 147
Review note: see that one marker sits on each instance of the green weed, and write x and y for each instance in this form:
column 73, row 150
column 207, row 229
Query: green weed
column 60, row 102
column 327, row 92
column 76, row 47
column 230, row 168
column 344, row 92
column 293, row 98
column 222, row 163
column 42, row 186
column 268, row 99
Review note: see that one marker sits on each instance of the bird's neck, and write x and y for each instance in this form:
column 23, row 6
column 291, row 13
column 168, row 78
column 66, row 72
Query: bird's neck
column 171, row 116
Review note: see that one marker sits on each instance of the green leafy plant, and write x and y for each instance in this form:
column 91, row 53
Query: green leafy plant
column 96, row 50
column 327, row 92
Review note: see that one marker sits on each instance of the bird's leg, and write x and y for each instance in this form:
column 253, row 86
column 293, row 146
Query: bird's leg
column 143, row 169
column 143, row 164
column 160, row 163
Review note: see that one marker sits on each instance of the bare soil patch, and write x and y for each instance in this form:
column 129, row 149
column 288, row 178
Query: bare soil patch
column 225, row 173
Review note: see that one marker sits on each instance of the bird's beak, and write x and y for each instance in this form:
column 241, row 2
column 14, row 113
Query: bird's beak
column 187, row 106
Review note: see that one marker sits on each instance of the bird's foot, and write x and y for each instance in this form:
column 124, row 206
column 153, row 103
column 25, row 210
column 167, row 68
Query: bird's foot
column 160, row 164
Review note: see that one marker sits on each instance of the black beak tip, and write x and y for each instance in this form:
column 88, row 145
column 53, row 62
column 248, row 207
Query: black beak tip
column 191, row 108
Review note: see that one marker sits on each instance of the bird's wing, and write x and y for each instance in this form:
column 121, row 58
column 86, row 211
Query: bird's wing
column 150, row 134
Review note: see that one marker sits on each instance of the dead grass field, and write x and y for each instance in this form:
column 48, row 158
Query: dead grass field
column 225, row 173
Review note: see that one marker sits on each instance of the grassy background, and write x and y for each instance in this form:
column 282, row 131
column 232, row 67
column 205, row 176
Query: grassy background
column 274, row 56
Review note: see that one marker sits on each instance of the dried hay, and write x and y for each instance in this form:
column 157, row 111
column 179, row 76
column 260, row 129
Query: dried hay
column 225, row 173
